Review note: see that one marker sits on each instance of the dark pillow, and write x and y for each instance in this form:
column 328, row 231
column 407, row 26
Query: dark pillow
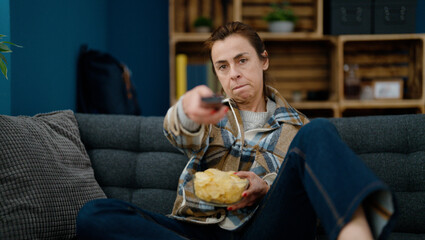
column 45, row 176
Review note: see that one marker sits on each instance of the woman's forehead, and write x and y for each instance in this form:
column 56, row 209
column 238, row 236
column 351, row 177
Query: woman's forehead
column 230, row 47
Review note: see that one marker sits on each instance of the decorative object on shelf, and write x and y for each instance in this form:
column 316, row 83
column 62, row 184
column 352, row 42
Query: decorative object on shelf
column 366, row 89
column 388, row 88
column 373, row 17
column 4, row 49
column 203, row 24
column 351, row 81
column 348, row 17
column 281, row 19
column 297, row 96
column 392, row 16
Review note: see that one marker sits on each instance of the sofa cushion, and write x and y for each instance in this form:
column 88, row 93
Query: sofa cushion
column 132, row 159
column 393, row 147
column 45, row 176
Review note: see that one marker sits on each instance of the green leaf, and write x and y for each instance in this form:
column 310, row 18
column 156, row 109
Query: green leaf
column 3, row 68
column 2, row 57
column 4, row 48
column 16, row 45
column 1, row 35
column 280, row 12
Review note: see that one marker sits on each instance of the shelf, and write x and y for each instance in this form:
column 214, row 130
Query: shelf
column 380, row 37
column 189, row 37
column 317, row 108
column 309, row 13
column 303, row 36
column 402, row 103
column 266, row 36
column 307, row 63
column 381, row 57
column 315, row 105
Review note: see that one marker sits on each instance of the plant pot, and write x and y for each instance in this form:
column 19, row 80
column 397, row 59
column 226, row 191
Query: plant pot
column 203, row 29
column 281, row 26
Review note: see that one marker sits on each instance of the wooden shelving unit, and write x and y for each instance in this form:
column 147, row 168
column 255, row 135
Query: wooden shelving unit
column 381, row 57
column 307, row 62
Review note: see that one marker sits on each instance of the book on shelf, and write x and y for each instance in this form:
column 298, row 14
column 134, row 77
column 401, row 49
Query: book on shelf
column 196, row 75
column 212, row 80
column 181, row 74
column 190, row 75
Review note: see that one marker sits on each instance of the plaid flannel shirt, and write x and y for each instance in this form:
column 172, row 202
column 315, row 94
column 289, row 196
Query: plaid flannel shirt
column 225, row 146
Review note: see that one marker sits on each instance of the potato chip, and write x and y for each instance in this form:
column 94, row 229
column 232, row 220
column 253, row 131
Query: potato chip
column 219, row 187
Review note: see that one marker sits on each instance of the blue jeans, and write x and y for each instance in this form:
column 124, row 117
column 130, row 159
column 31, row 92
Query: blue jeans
column 320, row 178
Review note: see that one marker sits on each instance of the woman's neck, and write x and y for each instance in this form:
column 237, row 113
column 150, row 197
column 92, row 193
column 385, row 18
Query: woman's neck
column 255, row 106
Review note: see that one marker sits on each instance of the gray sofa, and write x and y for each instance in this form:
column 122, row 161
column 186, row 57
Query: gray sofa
column 133, row 161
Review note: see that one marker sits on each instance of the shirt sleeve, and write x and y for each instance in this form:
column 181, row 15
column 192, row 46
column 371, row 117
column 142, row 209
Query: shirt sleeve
column 190, row 143
column 269, row 178
column 185, row 121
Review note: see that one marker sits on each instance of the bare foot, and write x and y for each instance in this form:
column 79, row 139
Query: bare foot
column 357, row 228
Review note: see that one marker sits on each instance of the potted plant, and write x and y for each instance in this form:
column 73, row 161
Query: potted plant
column 203, row 24
column 281, row 18
column 4, row 49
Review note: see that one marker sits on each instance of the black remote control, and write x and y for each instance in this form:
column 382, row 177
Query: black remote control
column 212, row 102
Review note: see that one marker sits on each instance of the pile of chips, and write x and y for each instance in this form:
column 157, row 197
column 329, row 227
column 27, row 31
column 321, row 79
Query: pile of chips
column 219, row 187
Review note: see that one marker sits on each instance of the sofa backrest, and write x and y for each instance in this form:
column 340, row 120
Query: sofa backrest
column 394, row 148
column 132, row 159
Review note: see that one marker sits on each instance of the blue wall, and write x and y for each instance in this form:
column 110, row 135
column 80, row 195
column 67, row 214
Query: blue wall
column 51, row 31
column 139, row 37
column 44, row 71
column 5, row 99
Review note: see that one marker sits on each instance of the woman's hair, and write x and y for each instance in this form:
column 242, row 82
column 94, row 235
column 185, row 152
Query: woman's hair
column 245, row 31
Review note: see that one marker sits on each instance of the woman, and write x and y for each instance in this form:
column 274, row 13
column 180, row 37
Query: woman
column 297, row 172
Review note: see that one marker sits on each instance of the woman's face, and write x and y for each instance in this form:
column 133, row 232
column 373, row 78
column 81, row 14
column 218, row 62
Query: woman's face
column 239, row 69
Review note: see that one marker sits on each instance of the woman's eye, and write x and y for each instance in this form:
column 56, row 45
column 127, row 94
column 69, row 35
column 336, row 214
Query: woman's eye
column 243, row 60
column 222, row 67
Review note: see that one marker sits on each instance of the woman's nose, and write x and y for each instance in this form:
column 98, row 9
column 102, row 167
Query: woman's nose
column 234, row 73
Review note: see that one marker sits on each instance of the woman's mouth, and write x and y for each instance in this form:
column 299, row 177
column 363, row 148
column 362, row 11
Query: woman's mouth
column 239, row 86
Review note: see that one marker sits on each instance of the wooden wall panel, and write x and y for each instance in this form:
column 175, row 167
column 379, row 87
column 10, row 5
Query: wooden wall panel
column 186, row 12
column 299, row 66
column 254, row 11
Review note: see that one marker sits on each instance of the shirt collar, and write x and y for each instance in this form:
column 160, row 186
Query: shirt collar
column 284, row 113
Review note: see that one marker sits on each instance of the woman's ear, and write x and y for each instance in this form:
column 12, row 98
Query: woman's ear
column 265, row 60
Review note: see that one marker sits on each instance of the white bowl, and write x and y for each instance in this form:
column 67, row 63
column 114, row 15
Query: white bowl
column 281, row 26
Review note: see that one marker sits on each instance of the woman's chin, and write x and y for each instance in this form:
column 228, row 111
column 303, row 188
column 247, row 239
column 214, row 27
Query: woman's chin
column 242, row 93
column 242, row 98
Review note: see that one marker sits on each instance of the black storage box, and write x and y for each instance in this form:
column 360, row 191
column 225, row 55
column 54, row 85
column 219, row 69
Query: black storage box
column 348, row 17
column 395, row 16
column 420, row 16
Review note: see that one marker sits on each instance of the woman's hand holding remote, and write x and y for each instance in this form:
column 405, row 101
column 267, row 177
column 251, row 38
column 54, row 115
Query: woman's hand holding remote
column 202, row 112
